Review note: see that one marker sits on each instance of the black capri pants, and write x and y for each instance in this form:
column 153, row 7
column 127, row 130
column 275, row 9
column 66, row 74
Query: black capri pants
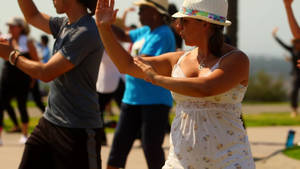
column 151, row 121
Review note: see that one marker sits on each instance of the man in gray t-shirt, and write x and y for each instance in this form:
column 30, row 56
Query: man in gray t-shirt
column 68, row 135
column 72, row 101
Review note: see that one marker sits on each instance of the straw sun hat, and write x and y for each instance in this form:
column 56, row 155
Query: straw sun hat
column 160, row 5
column 213, row 11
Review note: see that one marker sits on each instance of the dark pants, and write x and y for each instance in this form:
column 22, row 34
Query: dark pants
column 53, row 147
column 294, row 94
column 105, row 98
column 6, row 95
column 37, row 97
column 151, row 121
column 14, row 83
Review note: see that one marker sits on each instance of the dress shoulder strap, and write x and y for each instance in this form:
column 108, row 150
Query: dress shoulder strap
column 226, row 54
column 182, row 56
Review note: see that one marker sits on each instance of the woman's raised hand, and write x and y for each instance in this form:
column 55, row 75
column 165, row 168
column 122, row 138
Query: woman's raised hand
column 105, row 13
column 146, row 68
column 275, row 30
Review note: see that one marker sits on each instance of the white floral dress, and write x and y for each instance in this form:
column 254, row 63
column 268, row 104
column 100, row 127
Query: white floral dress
column 207, row 133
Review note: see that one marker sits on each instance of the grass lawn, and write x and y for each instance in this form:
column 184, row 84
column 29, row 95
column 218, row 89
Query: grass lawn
column 293, row 152
column 32, row 123
column 271, row 119
column 251, row 120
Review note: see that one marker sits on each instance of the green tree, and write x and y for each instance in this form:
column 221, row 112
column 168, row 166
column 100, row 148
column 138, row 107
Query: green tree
column 263, row 88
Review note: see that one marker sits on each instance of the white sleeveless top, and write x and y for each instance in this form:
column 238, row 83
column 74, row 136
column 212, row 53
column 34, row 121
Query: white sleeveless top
column 207, row 132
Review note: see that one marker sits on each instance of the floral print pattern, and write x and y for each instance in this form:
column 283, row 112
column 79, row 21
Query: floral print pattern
column 193, row 12
column 207, row 133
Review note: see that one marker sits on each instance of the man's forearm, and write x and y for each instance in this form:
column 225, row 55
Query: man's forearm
column 33, row 68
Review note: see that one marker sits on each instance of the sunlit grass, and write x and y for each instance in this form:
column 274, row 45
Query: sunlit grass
column 251, row 120
column 32, row 123
column 271, row 119
column 293, row 152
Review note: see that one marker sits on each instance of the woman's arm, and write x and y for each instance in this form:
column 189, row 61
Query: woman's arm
column 291, row 18
column 32, row 51
column 233, row 70
column 33, row 16
column 105, row 16
column 122, row 35
column 131, row 9
column 285, row 46
column 278, row 40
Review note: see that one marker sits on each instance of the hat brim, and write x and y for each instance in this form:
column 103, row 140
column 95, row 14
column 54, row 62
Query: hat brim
column 142, row 2
column 181, row 15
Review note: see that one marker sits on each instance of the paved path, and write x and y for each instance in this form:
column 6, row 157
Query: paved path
column 265, row 141
column 266, row 144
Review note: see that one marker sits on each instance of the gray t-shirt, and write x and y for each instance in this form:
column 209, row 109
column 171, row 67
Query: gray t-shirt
column 73, row 101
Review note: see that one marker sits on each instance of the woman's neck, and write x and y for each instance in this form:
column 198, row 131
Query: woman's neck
column 75, row 12
column 156, row 24
column 203, row 49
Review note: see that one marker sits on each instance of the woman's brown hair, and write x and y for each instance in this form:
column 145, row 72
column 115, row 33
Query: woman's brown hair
column 90, row 5
column 216, row 41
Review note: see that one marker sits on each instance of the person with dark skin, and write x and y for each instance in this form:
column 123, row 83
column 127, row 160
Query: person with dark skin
column 67, row 135
column 294, row 51
column 208, row 84
column 294, row 26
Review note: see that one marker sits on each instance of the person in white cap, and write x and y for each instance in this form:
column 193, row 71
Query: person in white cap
column 145, row 107
column 208, row 84
column 15, row 83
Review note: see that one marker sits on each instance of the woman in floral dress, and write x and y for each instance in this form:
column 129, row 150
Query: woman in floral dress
column 208, row 84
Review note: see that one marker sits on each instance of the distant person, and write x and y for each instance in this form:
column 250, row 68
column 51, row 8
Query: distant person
column 294, row 51
column 110, row 86
column 121, row 21
column 37, row 94
column 15, row 83
column 295, row 29
column 44, row 49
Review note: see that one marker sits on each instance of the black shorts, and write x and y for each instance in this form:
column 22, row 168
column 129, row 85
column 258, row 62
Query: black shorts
column 54, row 147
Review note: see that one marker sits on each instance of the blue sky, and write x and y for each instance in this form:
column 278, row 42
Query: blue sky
column 257, row 19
